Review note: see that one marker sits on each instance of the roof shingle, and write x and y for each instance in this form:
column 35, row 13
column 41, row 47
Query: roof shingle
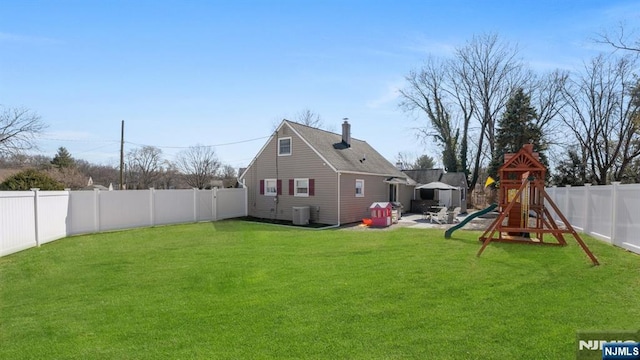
column 359, row 157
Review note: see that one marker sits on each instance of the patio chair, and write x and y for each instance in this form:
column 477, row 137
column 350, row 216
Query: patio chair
column 456, row 212
column 440, row 217
column 425, row 211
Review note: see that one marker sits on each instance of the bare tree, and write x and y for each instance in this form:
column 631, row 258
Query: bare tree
column 547, row 98
column 21, row 160
column 620, row 39
column 602, row 114
column 227, row 172
column 228, row 175
column 171, row 177
column 70, row 177
column 309, row 118
column 143, row 167
column 100, row 174
column 18, row 129
column 462, row 95
column 199, row 165
column 312, row 119
column 405, row 160
column 488, row 71
column 425, row 93
column 474, row 84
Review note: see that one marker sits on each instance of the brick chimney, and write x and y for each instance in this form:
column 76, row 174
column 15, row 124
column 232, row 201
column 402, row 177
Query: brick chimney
column 346, row 132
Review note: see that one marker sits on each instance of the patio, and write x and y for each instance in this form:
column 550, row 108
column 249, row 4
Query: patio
column 418, row 221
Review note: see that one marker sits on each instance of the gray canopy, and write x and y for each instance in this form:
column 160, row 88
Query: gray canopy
column 437, row 185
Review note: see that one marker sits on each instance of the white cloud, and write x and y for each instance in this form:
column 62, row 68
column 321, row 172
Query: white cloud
column 66, row 135
column 390, row 95
column 16, row 38
column 424, row 45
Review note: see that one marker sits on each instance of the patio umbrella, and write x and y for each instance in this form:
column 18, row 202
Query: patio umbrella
column 436, row 185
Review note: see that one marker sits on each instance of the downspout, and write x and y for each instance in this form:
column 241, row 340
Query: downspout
column 339, row 197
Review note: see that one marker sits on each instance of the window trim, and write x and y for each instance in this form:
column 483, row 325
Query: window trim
column 290, row 146
column 266, row 187
column 295, row 187
column 361, row 194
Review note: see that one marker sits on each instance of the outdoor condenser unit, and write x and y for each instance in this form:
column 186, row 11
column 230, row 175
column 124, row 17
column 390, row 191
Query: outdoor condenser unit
column 300, row 215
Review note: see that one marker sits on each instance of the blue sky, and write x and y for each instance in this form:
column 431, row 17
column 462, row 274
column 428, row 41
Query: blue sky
column 181, row 73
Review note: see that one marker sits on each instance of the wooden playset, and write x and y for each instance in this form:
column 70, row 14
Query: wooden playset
column 524, row 215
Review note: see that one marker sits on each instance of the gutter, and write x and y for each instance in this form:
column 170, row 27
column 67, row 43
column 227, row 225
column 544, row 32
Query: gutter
column 339, row 203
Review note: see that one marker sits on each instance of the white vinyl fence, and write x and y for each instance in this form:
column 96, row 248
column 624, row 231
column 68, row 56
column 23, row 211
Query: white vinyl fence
column 32, row 218
column 608, row 212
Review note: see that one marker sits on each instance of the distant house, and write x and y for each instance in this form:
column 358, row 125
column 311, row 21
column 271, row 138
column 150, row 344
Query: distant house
column 92, row 186
column 336, row 176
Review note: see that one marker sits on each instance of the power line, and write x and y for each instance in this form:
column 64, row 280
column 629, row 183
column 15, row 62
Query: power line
column 78, row 140
column 186, row 147
column 93, row 149
column 158, row 146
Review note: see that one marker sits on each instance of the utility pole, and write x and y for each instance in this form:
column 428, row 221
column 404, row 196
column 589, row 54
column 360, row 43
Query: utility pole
column 122, row 156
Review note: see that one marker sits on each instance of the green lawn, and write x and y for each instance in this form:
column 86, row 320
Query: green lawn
column 238, row 290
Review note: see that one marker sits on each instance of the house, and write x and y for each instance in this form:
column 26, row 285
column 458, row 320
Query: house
column 336, row 176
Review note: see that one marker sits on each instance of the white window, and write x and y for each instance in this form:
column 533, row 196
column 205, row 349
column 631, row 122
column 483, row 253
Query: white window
column 270, row 187
column 359, row 188
column 301, row 187
column 284, row 146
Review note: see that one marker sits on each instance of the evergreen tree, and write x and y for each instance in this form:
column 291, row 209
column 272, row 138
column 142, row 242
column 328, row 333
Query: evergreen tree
column 63, row 159
column 424, row 162
column 31, row 178
column 516, row 127
column 570, row 171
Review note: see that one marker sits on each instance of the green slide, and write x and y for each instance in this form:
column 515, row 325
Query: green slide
column 447, row 234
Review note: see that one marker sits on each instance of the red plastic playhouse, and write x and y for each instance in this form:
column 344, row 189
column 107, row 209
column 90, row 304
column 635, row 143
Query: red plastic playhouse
column 380, row 214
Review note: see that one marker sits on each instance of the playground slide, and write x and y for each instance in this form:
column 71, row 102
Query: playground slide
column 447, row 234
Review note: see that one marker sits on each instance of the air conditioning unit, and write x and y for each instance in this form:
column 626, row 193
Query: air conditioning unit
column 300, row 215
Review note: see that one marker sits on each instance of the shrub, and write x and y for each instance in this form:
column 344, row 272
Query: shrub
column 31, row 178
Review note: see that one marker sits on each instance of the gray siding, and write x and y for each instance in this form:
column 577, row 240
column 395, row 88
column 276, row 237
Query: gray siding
column 354, row 208
column 406, row 195
column 302, row 163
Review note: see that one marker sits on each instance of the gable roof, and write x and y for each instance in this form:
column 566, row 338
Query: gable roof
column 455, row 179
column 524, row 158
column 424, row 176
column 360, row 157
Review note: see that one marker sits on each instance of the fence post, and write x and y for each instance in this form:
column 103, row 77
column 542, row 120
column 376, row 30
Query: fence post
column 152, row 215
column 96, row 210
column 36, row 196
column 246, row 199
column 614, row 212
column 587, row 200
column 214, row 207
column 567, row 192
column 195, row 204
